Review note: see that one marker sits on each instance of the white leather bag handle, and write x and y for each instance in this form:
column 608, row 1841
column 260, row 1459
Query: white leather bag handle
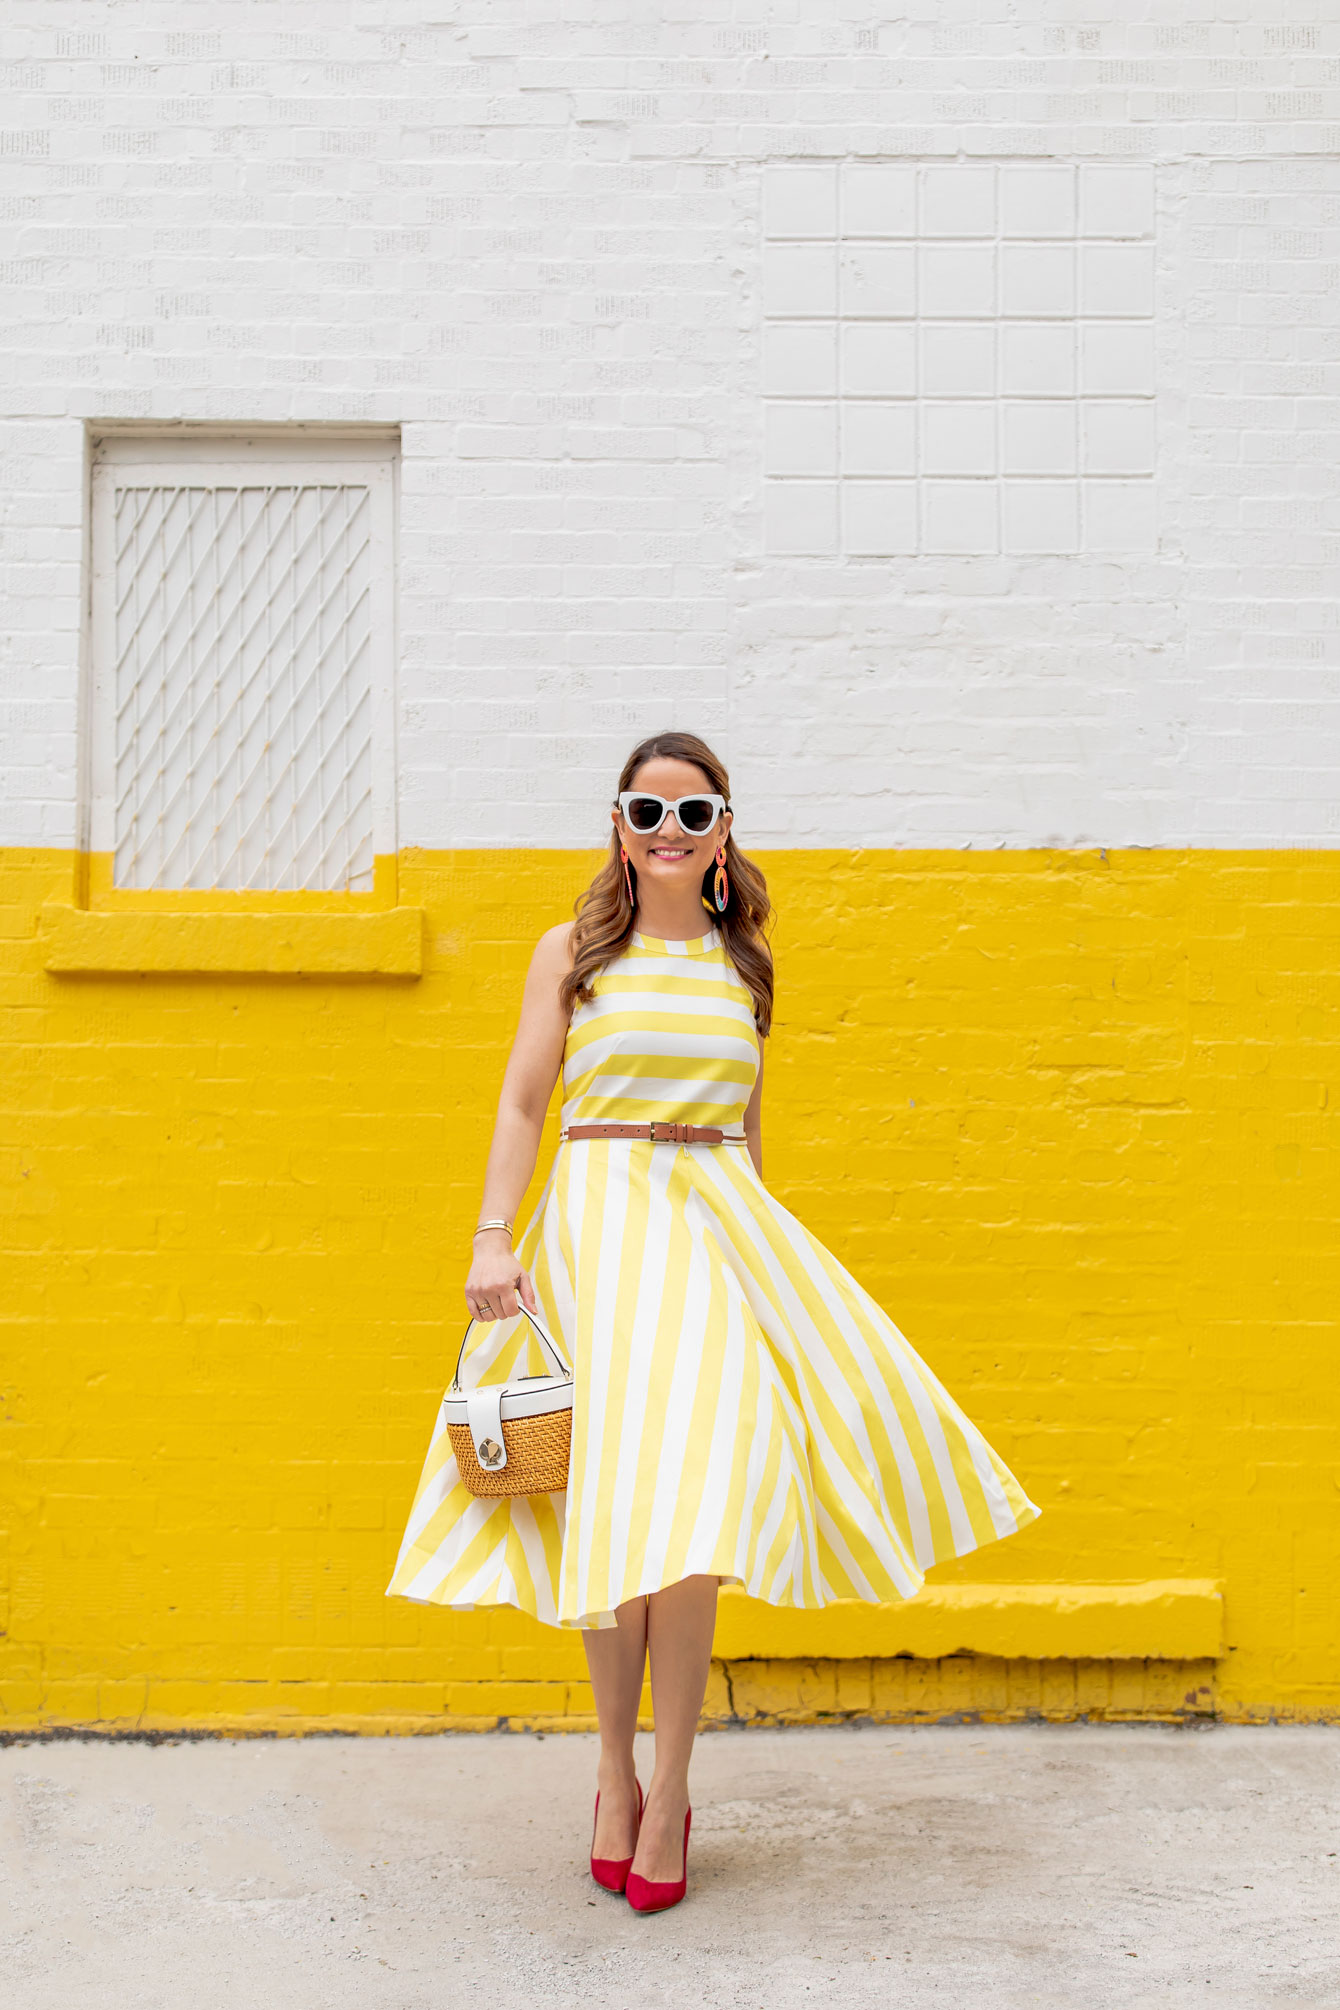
column 560, row 1366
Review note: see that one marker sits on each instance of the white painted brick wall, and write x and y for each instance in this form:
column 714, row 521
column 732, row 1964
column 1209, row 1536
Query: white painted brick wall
column 538, row 245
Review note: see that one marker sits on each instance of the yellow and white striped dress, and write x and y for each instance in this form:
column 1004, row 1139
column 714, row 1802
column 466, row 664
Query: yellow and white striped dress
column 742, row 1408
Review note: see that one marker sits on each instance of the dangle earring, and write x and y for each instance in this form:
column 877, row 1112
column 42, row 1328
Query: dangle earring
column 721, row 885
column 628, row 881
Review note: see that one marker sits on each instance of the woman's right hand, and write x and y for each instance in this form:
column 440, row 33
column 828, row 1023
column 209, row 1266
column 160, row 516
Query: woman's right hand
column 497, row 1280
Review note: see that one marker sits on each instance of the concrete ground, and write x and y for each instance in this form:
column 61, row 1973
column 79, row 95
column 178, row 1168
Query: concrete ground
column 1075, row 1866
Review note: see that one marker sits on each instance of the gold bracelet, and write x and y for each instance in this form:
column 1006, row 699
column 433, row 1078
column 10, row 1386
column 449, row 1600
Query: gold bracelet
column 492, row 1224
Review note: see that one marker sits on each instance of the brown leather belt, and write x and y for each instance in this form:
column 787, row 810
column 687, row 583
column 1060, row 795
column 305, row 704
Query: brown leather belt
column 655, row 1133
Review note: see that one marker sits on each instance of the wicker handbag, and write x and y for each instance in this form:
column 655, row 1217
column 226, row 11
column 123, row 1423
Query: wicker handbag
column 513, row 1437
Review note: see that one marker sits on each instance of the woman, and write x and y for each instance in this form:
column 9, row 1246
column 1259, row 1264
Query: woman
column 744, row 1413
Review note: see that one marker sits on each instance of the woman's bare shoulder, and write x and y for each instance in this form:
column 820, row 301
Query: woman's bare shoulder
column 553, row 951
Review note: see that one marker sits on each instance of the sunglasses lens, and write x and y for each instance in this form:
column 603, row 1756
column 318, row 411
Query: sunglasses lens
column 644, row 813
column 697, row 815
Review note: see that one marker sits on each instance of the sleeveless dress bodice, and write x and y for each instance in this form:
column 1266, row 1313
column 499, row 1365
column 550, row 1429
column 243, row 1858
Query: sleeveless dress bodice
column 742, row 1408
column 669, row 1034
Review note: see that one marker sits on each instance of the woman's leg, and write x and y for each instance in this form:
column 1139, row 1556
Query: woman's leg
column 617, row 1656
column 680, row 1621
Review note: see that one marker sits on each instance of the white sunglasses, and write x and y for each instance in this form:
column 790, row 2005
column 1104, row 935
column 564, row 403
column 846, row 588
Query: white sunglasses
column 695, row 815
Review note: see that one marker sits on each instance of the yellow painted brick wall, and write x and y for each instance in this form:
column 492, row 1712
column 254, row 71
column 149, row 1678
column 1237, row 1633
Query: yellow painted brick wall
column 1069, row 1116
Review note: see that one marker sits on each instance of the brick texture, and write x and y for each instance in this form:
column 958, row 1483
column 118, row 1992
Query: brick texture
column 1071, row 1119
column 537, row 245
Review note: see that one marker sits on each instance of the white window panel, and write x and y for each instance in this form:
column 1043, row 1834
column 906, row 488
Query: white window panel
column 243, row 623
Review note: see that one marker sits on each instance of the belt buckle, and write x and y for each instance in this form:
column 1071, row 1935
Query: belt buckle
column 660, row 1124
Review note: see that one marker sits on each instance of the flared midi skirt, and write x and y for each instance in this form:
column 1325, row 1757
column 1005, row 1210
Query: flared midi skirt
column 743, row 1408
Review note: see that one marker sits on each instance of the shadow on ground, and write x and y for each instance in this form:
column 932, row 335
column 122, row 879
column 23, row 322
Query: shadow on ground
column 1075, row 1866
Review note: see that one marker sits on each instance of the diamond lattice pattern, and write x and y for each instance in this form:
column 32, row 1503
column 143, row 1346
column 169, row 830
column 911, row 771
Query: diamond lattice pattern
column 243, row 685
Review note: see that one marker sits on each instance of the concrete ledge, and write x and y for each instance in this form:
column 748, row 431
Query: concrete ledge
column 1166, row 1619
column 89, row 942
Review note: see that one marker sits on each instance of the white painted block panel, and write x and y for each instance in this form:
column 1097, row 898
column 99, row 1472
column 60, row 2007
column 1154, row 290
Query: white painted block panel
column 1116, row 279
column 1038, row 359
column 958, row 202
column 879, row 280
column 1037, row 200
column 1037, row 280
column 957, row 280
column 879, row 518
column 800, row 360
column 1039, row 438
column 800, row 279
column 957, row 361
column 960, row 516
column 1116, row 359
column 1119, row 516
column 802, row 518
column 800, row 201
column 958, row 439
column 879, row 360
column 879, row 438
column 999, row 313
column 879, row 200
column 801, row 439
column 1118, row 437
column 1040, row 516
column 1116, row 201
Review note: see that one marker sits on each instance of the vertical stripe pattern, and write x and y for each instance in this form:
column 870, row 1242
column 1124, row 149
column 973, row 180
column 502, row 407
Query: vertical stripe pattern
column 743, row 1407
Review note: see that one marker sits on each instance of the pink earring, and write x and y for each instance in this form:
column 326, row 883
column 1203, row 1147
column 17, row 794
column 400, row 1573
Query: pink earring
column 721, row 885
column 627, row 880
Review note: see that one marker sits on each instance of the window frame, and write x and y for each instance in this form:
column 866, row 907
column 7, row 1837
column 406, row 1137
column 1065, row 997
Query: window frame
column 224, row 460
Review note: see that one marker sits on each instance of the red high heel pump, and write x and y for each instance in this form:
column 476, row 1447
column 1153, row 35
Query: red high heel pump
column 611, row 1872
column 644, row 1895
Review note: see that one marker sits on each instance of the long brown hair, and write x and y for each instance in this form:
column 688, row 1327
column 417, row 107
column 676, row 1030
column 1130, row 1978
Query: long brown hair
column 605, row 915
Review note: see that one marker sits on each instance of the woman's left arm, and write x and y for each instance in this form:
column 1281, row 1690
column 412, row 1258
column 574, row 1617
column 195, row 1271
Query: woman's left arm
column 753, row 1120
